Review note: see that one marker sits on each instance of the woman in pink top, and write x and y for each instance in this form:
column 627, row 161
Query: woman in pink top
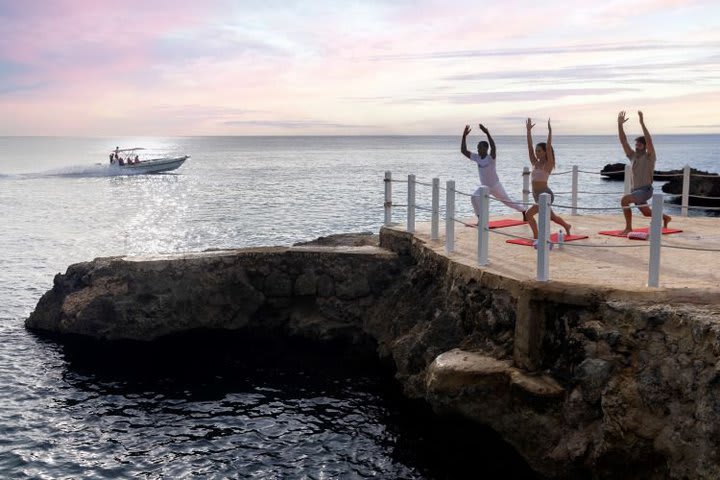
column 542, row 159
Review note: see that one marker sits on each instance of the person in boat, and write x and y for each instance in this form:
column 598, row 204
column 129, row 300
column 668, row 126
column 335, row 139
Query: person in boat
column 642, row 163
column 542, row 159
column 112, row 158
column 137, row 159
column 486, row 163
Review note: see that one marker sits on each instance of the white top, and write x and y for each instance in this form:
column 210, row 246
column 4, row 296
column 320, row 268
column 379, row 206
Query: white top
column 486, row 169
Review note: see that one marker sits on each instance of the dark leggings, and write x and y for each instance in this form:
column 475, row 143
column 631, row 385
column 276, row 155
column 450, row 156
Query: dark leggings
column 536, row 194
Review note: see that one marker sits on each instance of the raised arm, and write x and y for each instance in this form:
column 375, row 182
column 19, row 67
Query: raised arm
column 649, row 147
column 493, row 153
column 463, row 143
column 531, row 150
column 621, row 133
column 550, row 152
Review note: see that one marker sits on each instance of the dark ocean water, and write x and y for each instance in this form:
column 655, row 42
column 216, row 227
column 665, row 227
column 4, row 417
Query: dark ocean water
column 218, row 408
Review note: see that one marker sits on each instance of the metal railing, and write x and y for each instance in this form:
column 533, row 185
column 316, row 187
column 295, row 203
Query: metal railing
column 543, row 242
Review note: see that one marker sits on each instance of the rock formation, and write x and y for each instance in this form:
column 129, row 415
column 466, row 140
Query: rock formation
column 616, row 171
column 704, row 189
column 584, row 382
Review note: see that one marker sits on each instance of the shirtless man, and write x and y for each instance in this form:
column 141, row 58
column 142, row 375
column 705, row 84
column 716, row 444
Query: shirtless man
column 487, row 170
column 642, row 161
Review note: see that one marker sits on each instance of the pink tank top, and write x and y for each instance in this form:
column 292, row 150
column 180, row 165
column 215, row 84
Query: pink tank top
column 539, row 175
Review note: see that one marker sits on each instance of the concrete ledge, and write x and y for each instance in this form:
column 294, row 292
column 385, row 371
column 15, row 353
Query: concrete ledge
column 459, row 372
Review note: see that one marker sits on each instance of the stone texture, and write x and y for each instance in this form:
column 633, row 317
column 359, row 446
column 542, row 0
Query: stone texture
column 599, row 383
column 702, row 185
column 146, row 298
column 306, row 284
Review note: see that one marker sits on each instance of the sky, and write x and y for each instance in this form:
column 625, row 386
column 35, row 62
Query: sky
column 372, row 67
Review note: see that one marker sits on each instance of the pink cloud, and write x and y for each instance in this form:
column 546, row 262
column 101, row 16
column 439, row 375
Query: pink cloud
column 78, row 42
column 109, row 64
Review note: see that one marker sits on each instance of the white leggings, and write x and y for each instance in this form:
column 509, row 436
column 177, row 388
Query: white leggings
column 498, row 192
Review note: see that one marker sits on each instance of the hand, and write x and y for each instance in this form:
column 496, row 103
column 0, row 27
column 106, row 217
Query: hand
column 482, row 127
column 640, row 114
column 549, row 127
column 467, row 130
column 529, row 124
column 622, row 118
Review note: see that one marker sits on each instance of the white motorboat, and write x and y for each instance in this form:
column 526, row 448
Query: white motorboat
column 127, row 161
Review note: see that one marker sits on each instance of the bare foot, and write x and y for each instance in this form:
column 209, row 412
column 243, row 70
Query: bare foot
column 472, row 225
column 567, row 229
column 625, row 232
column 666, row 220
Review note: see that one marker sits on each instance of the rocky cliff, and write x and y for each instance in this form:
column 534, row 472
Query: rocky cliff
column 589, row 383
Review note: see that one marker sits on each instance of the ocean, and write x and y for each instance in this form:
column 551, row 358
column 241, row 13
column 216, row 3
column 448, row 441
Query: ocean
column 277, row 413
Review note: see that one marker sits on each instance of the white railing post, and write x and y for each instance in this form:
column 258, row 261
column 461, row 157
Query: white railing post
column 685, row 190
column 450, row 216
column 543, row 250
column 482, row 227
column 411, row 204
column 435, row 218
column 388, row 198
column 526, row 187
column 655, row 236
column 628, row 179
column 574, row 189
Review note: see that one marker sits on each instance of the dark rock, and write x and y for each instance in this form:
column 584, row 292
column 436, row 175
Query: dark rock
column 326, row 286
column 616, row 171
column 344, row 240
column 707, row 186
column 618, row 387
column 306, row 284
column 593, row 374
column 278, row 284
column 135, row 299
column 351, row 287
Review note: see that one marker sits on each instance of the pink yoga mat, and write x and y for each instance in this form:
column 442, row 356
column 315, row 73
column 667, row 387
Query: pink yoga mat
column 507, row 222
column 553, row 238
column 617, row 233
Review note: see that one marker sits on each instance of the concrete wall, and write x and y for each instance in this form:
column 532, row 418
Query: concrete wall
column 592, row 383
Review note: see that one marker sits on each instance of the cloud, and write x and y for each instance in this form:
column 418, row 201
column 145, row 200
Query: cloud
column 83, row 42
column 205, row 111
column 296, row 124
column 183, row 66
column 498, row 96
column 591, row 71
column 550, row 50
column 533, row 95
column 10, row 88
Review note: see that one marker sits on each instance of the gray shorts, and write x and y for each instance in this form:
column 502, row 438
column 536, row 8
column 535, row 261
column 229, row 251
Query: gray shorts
column 641, row 195
column 536, row 194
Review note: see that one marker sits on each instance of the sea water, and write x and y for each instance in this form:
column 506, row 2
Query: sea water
column 67, row 414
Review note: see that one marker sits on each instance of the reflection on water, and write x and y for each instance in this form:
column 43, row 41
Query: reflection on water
column 218, row 406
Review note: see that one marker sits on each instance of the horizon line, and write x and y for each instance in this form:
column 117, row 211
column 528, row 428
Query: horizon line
column 337, row 135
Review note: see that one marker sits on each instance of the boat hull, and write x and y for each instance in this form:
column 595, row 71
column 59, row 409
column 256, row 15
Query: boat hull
column 156, row 165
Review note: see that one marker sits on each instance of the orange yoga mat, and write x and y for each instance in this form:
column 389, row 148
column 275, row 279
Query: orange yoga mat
column 507, row 222
column 617, row 233
column 553, row 238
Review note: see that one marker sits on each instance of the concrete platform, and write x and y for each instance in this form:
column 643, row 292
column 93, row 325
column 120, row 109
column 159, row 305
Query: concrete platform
column 597, row 261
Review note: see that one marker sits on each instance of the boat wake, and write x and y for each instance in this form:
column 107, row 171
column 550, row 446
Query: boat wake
column 76, row 171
